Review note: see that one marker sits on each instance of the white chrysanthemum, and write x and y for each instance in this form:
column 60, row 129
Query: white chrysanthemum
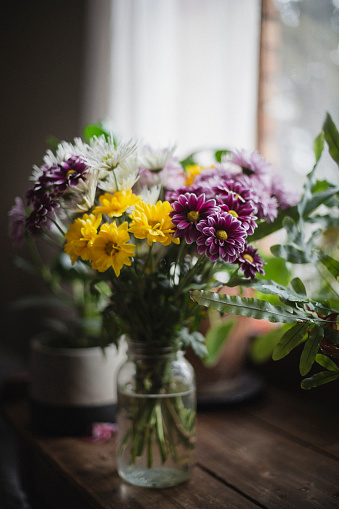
column 66, row 150
column 150, row 195
column 122, row 178
column 104, row 156
column 155, row 159
column 82, row 196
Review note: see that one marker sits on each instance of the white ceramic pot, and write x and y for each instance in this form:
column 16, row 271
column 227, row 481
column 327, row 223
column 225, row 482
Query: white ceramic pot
column 73, row 387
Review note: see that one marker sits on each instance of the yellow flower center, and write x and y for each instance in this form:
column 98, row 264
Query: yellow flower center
column 222, row 235
column 111, row 248
column 155, row 225
column 70, row 172
column 193, row 216
column 233, row 213
column 248, row 258
column 107, row 157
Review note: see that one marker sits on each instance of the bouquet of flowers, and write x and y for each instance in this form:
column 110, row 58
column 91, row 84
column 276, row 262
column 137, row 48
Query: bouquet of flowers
column 147, row 227
column 142, row 230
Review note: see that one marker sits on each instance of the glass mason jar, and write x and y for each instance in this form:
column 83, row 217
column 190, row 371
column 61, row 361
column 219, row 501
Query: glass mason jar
column 156, row 416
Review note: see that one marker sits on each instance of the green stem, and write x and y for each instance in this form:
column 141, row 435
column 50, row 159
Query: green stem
column 186, row 434
column 148, row 258
column 115, row 180
column 159, row 425
column 57, row 225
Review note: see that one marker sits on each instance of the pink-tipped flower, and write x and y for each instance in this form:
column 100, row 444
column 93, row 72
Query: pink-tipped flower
column 250, row 262
column 221, row 236
column 188, row 211
column 67, row 173
column 242, row 210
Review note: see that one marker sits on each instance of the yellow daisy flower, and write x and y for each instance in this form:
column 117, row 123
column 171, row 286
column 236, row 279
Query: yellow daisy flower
column 111, row 248
column 80, row 237
column 114, row 205
column 191, row 172
column 152, row 222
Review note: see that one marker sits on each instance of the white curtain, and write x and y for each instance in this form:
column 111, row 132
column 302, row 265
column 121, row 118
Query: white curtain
column 184, row 72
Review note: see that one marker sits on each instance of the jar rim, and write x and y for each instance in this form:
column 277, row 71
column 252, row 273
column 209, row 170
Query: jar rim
column 150, row 349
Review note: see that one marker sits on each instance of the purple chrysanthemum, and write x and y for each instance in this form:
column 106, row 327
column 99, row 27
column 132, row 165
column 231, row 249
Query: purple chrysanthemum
column 238, row 189
column 212, row 176
column 221, row 236
column 251, row 163
column 250, row 262
column 40, row 187
column 187, row 212
column 260, row 195
column 17, row 223
column 41, row 214
column 67, row 173
column 173, row 195
column 55, row 179
column 242, row 210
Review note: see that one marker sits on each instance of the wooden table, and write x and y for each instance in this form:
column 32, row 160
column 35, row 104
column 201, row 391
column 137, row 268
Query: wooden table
column 280, row 451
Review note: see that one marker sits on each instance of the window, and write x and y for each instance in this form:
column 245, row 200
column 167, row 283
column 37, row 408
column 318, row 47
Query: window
column 299, row 83
column 184, row 71
column 191, row 72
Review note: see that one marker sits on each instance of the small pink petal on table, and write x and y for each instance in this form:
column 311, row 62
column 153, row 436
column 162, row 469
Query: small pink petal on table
column 100, row 432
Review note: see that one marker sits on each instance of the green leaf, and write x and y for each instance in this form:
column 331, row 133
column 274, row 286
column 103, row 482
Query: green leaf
column 311, row 349
column 318, row 146
column 261, row 347
column 293, row 232
column 318, row 199
column 266, row 228
column 332, row 138
column 219, row 153
column 283, row 292
column 320, row 185
column 290, row 340
column 298, row 287
column 276, row 270
column 193, row 339
column 310, row 202
column 290, row 253
column 326, row 220
column 215, row 339
column 94, row 130
column 321, row 378
column 330, row 263
column 52, row 142
column 332, row 335
column 188, row 161
column 253, row 308
column 326, row 362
